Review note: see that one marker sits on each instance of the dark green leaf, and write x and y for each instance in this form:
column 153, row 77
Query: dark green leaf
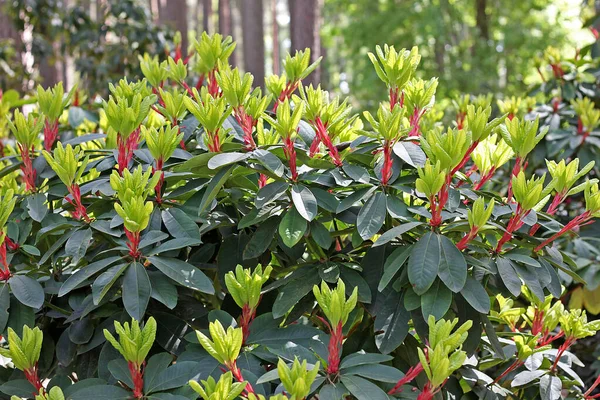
column 393, row 264
column 175, row 376
column 213, row 188
column 179, row 224
column 395, row 232
column 371, row 216
column 262, row 238
column 27, row 290
column 476, row 296
column 292, row 227
column 84, row 273
column 136, row 291
column 436, row 301
column 183, row 273
column 453, row 267
column 320, row 235
column 36, row 204
column 509, row 276
column 78, row 244
column 105, row 281
column 424, row 262
column 362, row 389
column 304, row 201
column 223, row 159
column 270, row 192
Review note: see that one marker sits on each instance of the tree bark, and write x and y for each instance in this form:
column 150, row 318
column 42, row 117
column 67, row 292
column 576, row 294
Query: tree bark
column 253, row 43
column 305, row 26
column 276, row 56
column 482, row 19
column 173, row 13
column 207, row 12
column 226, row 24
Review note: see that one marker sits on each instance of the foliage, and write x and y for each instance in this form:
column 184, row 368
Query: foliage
column 235, row 252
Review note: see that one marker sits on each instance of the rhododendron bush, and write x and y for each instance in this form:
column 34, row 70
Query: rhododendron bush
column 192, row 236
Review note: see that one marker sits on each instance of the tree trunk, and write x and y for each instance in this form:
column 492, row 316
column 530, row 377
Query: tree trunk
column 207, row 15
column 254, row 44
column 226, row 24
column 482, row 19
column 173, row 13
column 305, row 26
column 276, row 56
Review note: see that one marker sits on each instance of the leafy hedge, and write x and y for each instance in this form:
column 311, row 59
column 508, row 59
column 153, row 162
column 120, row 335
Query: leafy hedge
column 192, row 236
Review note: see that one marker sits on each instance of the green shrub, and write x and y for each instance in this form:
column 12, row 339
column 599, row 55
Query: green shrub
column 283, row 250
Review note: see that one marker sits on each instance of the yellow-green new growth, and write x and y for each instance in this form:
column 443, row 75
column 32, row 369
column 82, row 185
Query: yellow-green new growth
column 479, row 215
column 477, row 122
column 245, row 286
column 25, row 130
column 212, row 50
column 235, row 88
column 506, row 312
column 522, row 135
column 136, row 184
column 527, row 346
column 491, row 153
column 162, row 142
column 7, row 205
column 395, row 68
column 211, row 112
column 69, row 163
column 565, row 175
column 531, row 194
column 444, row 355
column 419, row 94
column 256, row 104
column 448, row 149
column 297, row 380
column 55, row 393
column 176, row 70
column 431, row 179
column 24, row 352
column 389, row 125
column 154, row 70
column 591, row 194
column 588, row 114
column 52, row 101
column 125, row 115
column 334, row 304
column 286, row 123
column 128, row 90
column 134, row 343
column 510, row 106
column 299, row 67
column 275, row 84
column 135, row 213
column 225, row 346
column 575, row 325
column 223, row 389
column 174, row 108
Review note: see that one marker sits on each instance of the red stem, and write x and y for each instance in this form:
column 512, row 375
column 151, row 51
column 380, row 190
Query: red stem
column 137, row 376
column 290, row 153
column 237, row 375
column 336, row 339
column 50, row 134
column 4, row 268
column 31, row 374
column 575, row 222
column 133, row 243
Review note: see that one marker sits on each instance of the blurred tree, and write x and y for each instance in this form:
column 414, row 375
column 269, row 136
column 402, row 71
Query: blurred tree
column 472, row 46
column 226, row 24
column 305, row 31
column 174, row 14
column 253, row 41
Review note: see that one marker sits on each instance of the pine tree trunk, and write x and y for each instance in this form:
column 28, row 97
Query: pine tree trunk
column 207, row 12
column 254, row 44
column 482, row 19
column 276, row 56
column 173, row 13
column 226, row 24
column 305, row 25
